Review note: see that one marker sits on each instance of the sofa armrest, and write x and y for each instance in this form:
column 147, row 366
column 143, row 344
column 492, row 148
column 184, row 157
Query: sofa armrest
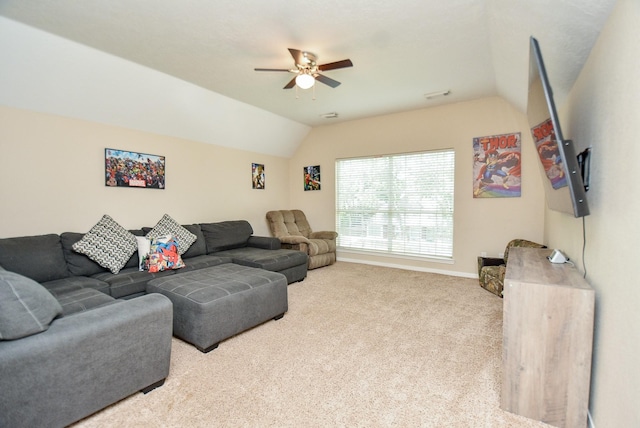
column 85, row 362
column 264, row 242
column 323, row 235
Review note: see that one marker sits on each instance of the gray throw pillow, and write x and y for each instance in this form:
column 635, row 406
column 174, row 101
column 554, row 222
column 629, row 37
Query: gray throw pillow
column 26, row 307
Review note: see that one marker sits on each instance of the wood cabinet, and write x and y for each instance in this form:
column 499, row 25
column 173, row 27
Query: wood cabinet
column 547, row 339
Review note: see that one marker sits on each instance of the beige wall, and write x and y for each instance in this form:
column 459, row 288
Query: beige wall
column 604, row 112
column 480, row 224
column 52, row 167
column 51, row 170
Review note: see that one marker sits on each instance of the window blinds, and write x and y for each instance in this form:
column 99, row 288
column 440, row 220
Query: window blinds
column 398, row 204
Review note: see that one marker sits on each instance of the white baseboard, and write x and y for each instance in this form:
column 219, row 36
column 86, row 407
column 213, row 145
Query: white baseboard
column 406, row 267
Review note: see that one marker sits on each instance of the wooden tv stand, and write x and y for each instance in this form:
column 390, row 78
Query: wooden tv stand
column 547, row 339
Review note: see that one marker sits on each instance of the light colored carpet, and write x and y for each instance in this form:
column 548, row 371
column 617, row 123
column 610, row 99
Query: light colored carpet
column 361, row 346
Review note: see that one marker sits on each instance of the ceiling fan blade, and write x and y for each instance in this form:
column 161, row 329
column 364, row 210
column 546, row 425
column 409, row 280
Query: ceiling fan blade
column 333, row 65
column 291, row 84
column 326, row 80
column 297, row 55
column 271, row 69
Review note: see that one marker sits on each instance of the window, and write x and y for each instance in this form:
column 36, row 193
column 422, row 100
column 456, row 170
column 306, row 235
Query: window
column 397, row 204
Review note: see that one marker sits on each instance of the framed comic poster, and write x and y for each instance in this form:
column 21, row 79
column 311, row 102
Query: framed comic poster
column 257, row 176
column 311, row 175
column 133, row 169
column 496, row 166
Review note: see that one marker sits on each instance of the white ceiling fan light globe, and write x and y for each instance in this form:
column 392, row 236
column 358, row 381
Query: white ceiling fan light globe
column 305, row 81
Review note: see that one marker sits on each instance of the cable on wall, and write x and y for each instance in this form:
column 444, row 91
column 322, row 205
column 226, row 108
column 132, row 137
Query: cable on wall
column 584, row 245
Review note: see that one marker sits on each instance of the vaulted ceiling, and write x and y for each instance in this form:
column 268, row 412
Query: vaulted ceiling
column 401, row 50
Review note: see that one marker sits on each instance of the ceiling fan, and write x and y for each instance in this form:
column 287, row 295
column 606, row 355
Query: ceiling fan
column 308, row 71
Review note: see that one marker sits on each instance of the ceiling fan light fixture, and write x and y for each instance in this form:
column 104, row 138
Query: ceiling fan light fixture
column 305, row 81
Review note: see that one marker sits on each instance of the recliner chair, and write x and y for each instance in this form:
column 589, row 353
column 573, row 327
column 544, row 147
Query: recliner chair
column 491, row 270
column 294, row 232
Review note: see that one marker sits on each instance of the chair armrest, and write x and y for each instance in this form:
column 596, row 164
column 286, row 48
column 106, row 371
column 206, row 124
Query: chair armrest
column 293, row 239
column 264, row 242
column 323, row 235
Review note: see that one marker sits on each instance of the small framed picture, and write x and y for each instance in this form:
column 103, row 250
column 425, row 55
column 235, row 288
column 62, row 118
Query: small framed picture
column 257, row 175
column 311, row 177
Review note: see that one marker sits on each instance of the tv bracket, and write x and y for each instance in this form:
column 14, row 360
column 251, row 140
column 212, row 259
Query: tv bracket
column 584, row 162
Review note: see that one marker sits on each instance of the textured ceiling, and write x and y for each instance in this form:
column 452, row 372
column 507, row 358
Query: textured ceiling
column 401, row 50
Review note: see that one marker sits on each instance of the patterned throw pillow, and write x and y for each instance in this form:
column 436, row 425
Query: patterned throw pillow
column 168, row 226
column 108, row 244
column 162, row 254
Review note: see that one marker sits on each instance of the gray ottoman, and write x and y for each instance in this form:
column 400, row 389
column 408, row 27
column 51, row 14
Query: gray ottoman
column 215, row 303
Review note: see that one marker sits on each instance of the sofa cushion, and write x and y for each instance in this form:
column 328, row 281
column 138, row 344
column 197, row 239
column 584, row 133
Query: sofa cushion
column 108, row 244
column 168, row 226
column 26, row 307
column 77, row 263
column 204, row 261
column 129, row 281
column 72, row 283
column 199, row 247
column 226, row 235
column 271, row 260
column 82, row 299
column 37, row 257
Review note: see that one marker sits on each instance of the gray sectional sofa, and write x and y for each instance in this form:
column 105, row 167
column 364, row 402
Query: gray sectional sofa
column 93, row 337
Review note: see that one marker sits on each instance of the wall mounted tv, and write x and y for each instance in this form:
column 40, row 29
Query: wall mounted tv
column 563, row 170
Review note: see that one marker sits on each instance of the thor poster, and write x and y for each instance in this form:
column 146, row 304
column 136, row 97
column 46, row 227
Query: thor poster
column 496, row 166
column 545, row 138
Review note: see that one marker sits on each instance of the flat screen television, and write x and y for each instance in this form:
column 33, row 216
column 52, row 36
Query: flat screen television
column 563, row 170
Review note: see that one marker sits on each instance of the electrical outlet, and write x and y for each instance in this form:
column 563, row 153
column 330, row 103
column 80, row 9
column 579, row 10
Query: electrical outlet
column 501, row 255
column 483, row 254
